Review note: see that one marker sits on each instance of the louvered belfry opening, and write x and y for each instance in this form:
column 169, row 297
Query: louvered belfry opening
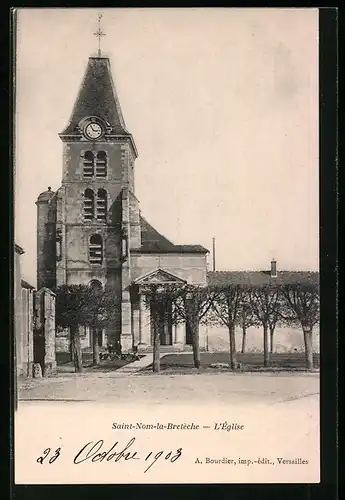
column 89, row 205
column 101, row 205
column 88, row 169
column 96, row 249
column 101, row 164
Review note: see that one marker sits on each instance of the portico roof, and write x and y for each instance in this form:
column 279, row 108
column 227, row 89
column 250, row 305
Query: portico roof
column 159, row 276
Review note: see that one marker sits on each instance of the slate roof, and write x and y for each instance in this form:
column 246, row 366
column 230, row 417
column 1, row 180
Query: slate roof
column 154, row 242
column 97, row 97
column 25, row 284
column 46, row 195
column 260, row 278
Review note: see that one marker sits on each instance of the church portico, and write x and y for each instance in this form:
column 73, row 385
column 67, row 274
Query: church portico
column 171, row 334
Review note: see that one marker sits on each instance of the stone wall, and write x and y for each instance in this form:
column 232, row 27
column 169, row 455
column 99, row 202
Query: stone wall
column 26, row 344
column 17, row 309
column 44, row 340
column 285, row 339
column 23, row 320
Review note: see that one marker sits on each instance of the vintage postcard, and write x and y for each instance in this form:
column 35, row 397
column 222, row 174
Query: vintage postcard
column 166, row 246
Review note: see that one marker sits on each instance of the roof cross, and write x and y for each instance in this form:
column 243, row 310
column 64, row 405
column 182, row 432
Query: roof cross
column 99, row 33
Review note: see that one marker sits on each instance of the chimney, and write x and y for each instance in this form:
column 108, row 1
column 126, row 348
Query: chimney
column 273, row 268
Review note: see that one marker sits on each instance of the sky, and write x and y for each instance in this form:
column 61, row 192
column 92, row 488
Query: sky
column 223, row 107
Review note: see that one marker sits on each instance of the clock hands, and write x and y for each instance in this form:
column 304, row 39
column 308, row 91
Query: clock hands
column 93, row 130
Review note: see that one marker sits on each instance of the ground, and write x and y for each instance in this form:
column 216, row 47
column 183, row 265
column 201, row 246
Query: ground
column 251, row 361
column 178, row 381
column 183, row 362
column 217, row 388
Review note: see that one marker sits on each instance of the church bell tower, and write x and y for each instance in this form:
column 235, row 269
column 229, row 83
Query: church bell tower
column 95, row 226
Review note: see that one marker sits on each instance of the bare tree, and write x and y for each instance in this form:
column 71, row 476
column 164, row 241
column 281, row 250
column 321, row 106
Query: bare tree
column 192, row 304
column 246, row 320
column 264, row 302
column 303, row 306
column 226, row 303
column 275, row 318
column 96, row 316
column 159, row 299
column 83, row 305
column 71, row 312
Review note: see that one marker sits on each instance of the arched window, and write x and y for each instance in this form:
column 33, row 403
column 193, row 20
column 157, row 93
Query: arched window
column 101, row 205
column 96, row 249
column 58, row 244
column 89, row 204
column 101, row 164
column 89, row 160
column 96, row 285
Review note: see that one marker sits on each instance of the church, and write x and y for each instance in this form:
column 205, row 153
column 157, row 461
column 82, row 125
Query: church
column 91, row 230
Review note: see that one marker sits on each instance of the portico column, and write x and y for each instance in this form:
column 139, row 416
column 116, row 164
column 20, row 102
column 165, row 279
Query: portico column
column 136, row 321
column 180, row 334
column 145, row 323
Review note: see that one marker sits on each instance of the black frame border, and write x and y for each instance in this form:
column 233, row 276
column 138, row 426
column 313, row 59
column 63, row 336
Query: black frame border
column 329, row 200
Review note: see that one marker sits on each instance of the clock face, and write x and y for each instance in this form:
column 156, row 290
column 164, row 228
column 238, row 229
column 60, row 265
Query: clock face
column 93, row 131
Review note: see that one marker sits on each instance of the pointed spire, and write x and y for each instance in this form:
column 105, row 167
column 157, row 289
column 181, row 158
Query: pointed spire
column 97, row 97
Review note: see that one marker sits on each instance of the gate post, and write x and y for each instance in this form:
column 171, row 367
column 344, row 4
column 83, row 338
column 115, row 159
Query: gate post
column 45, row 352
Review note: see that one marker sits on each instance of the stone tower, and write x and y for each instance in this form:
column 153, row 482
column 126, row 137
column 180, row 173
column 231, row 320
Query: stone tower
column 46, row 248
column 92, row 221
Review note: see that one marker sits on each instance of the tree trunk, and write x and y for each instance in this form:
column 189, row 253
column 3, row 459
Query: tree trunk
column 308, row 347
column 232, row 349
column 271, row 340
column 266, row 353
column 71, row 347
column 192, row 325
column 95, row 347
column 76, row 349
column 156, row 365
column 195, row 340
column 244, row 339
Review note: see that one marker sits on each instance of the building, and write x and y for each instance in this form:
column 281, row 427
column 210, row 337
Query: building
column 286, row 338
column 91, row 230
column 23, row 320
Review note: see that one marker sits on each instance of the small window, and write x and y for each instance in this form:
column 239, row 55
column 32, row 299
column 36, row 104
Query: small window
column 88, row 169
column 89, row 204
column 101, row 205
column 58, row 241
column 101, row 164
column 96, row 249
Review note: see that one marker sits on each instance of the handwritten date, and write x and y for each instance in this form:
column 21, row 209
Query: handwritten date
column 45, row 454
column 96, row 451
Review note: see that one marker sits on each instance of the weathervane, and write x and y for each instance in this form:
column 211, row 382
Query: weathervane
column 99, row 33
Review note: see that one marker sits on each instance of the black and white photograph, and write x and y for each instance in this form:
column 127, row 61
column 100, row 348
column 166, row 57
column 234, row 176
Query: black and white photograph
column 166, row 257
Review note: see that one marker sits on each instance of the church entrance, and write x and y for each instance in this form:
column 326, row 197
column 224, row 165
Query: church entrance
column 164, row 326
column 97, row 334
column 189, row 337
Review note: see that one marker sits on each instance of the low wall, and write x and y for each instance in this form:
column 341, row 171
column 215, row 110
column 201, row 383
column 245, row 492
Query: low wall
column 285, row 339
